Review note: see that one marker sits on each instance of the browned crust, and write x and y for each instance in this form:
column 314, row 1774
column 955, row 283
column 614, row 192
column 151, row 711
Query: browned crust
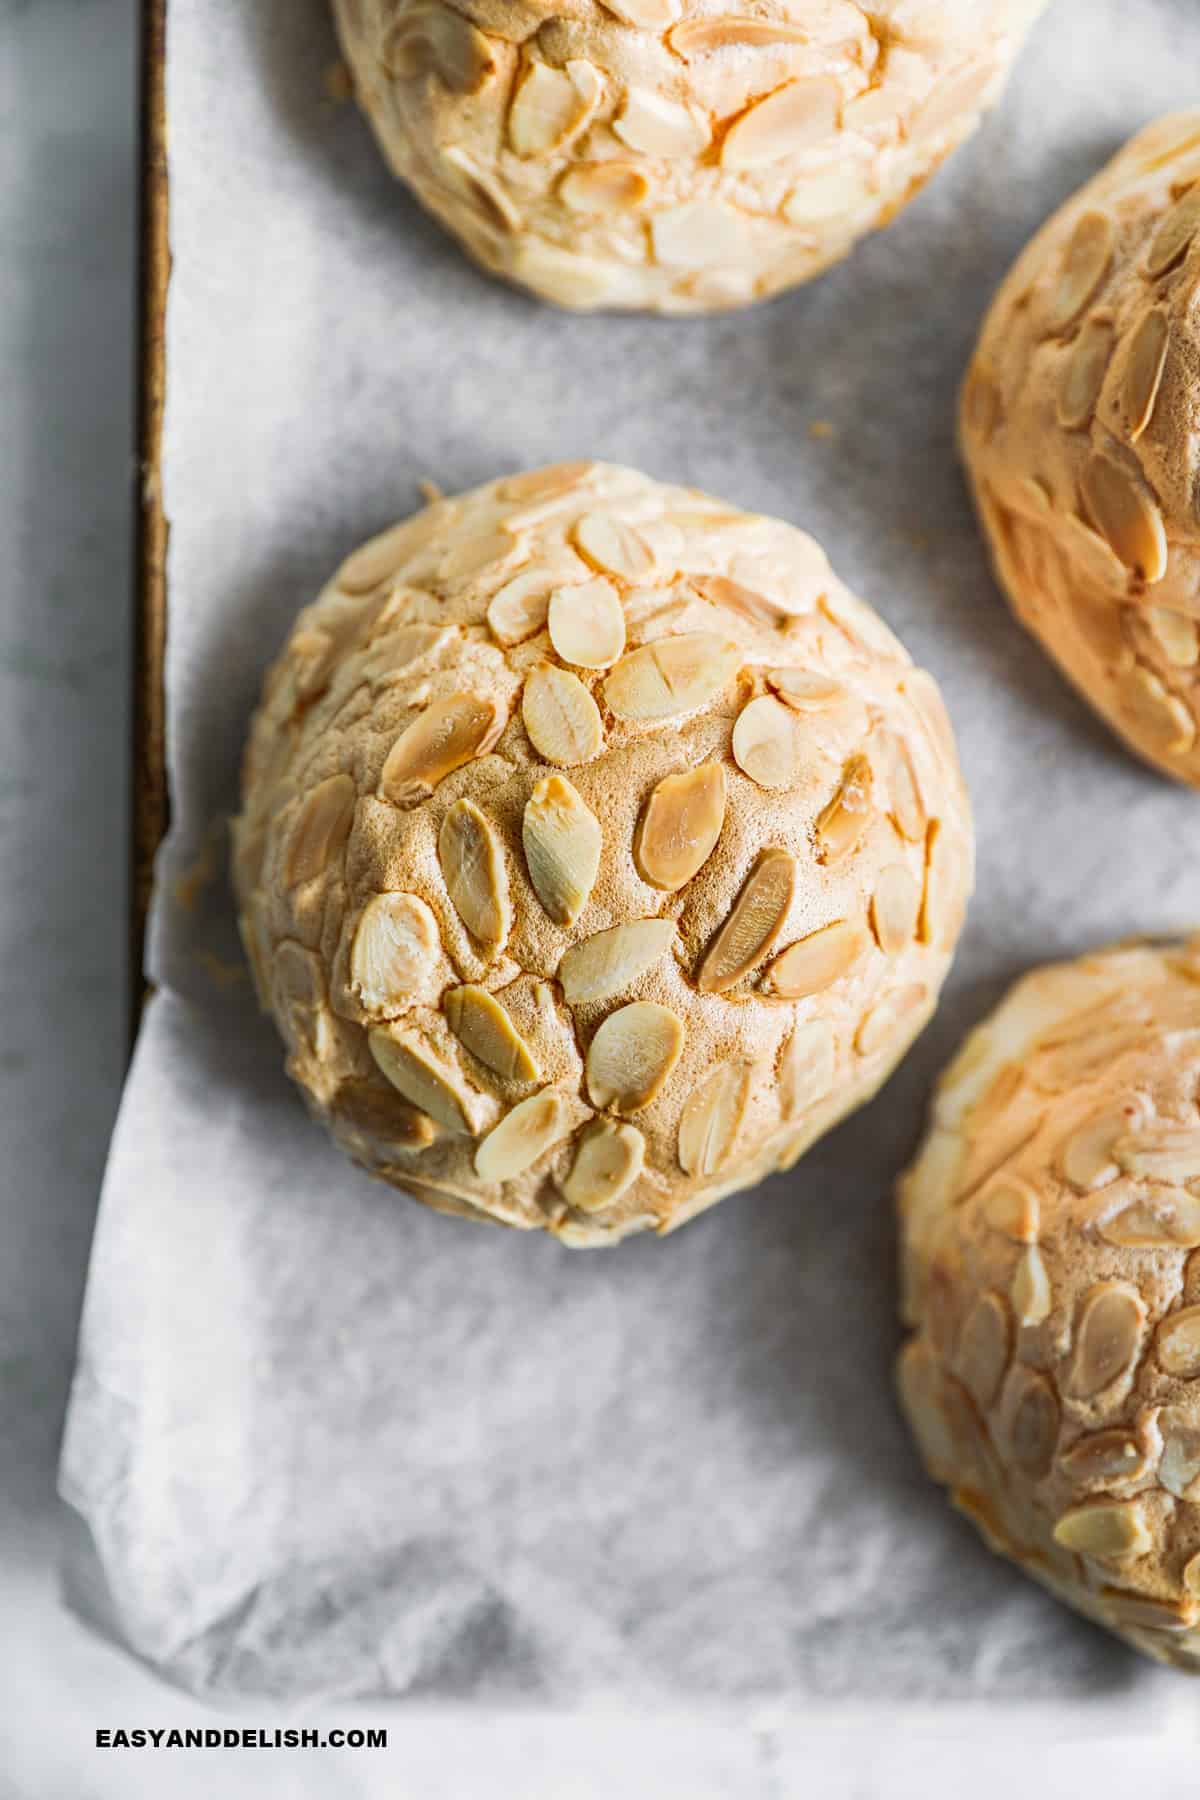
column 149, row 797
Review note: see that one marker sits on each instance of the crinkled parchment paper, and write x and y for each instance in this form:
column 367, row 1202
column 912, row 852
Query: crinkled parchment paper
column 325, row 1442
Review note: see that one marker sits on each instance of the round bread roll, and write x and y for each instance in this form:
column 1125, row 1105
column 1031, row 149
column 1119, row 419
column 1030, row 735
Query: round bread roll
column 1050, row 1226
column 598, row 851
column 666, row 155
column 1080, row 428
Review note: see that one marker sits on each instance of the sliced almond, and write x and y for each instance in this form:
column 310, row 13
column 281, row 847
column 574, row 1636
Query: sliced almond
column 474, row 872
column 700, row 234
column 760, row 608
column 422, row 1078
column 1179, row 1461
column 765, row 745
column 587, row 624
column 608, row 1160
column 815, row 962
column 546, row 483
column 552, row 106
column 894, row 908
column 711, row 1118
column 793, row 118
column 562, row 719
column 1031, row 1296
column 562, row 842
column 671, row 676
column 524, row 1134
column 1106, row 1342
column 320, row 828
column 489, row 197
column 1174, row 236
column 805, row 691
column 448, row 734
column 518, row 611
column 614, row 547
column 1033, row 1430
column 1013, row 1209
column 697, row 37
column 984, row 1347
column 381, row 1116
column 1162, row 719
column 394, row 953
column 632, row 1055
column 1161, row 1153
column 1085, row 263
column 610, row 961
column 604, row 188
column 660, row 127
column 1115, row 1528
column 842, row 823
column 647, row 15
column 1177, row 1345
column 679, row 829
column 435, row 40
column 1103, row 1458
column 1144, row 371
column 754, row 922
column 479, row 1021
column 1083, row 374
column 878, row 1029
column 807, row 1068
column 1086, row 1159
column 1176, row 634
column 1126, row 517
column 1164, row 1218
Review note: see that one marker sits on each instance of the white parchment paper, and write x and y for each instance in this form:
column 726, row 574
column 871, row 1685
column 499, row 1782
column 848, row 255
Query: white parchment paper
column 324, row 1442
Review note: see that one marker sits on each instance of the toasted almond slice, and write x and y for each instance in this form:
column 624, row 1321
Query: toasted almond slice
column 837, row 192
column 1164, row 1218
column 879, row 1028
column 951, row 101
column 614, row 547
column 518, row 611
column 610, row 961
column 1085, row 264
column 646, row 15
column 660, row 127
column 671, row 676
column 1107, row 1338
column 1107, row 1528
column 421, row 1077
column 698, row 37
column 1174, row 236
column 1086, row 1159
column 1177, row 1345
column 488, row 195
column 1102, row 1458
column 1161, row 717
column 754, row 923
column 1127, row 518
column 475, row 876
column 700, row 234
column 1033, row 1427
column 1160, row 1153
column 805, row 690
column 527, row 1132
column 765, row 745
column 1083, row 374
column 761, row 609
column 604, row 188
column 807, row 1069
column 1179, row 1461
column 552, row 106
column 894, row 908
column 815, row 962
column 587, row 625
column 984, row 1347
column 1013, row 1209
column 479, row 1021
column 841, row 825
column 679, row 829
column 562, row 719
column 394, row 952
column 381, row 1116
column 632, row 1055
column 562, row 841
column 1144, row 371
column 793, row 118
column 448, row 734
column 435, row 40
column 608, row 1160
column 982, row 405
column 711, row 1118
column 320, row 828
column 906, row 808
column 1031, row 1296
column 546, row 483
column 1176, row 634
